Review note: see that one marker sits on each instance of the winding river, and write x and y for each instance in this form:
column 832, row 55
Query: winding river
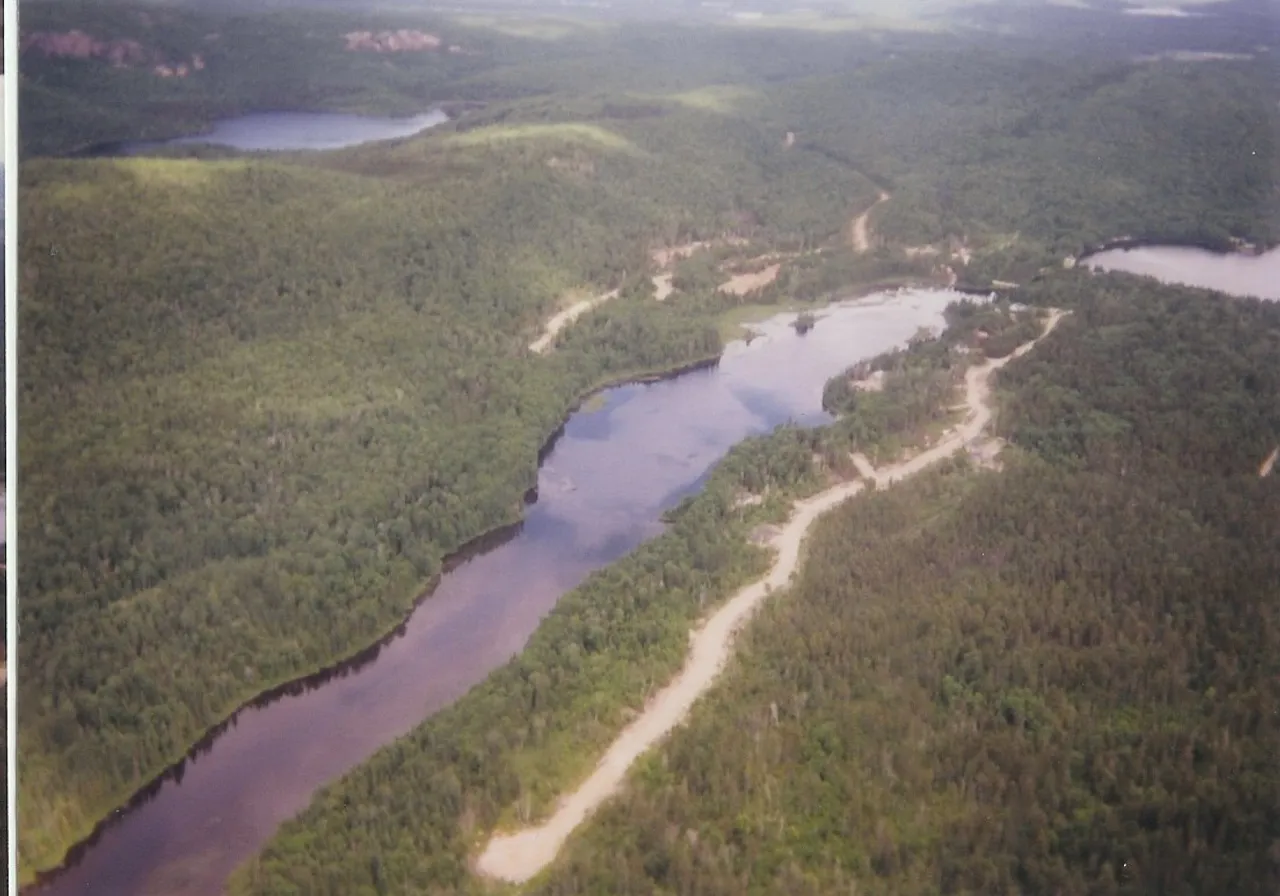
column 602, row 490
column 1237, row 274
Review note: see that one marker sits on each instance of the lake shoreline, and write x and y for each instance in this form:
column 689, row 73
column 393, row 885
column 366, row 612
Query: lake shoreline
column 86, row 848
column 1247, row 270
column 516, row 857
column 452, row 110
column 1236, row 247
column 477, row 546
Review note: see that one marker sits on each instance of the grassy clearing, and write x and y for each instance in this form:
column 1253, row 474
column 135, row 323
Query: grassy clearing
column 569, row 131
column 726, row 99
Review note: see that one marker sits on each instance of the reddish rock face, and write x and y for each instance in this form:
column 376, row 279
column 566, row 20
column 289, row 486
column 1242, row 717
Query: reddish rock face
column 126, row 52
column 73, row 43
column 400, row 41
column 120, row 53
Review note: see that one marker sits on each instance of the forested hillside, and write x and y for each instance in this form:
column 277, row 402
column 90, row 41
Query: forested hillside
column 263, row 397
column 1028, row 162
column 1061, row 678
column 987, row 681
column 105, row 86
column 506, row 751
column 274, row 441
column 77, row 96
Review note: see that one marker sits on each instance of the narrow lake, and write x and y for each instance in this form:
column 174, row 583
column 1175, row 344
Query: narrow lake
column 282, row 131
column 602, row 490
column 1240, row 275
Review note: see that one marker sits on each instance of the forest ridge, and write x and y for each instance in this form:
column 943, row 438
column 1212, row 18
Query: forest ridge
column 260, row 450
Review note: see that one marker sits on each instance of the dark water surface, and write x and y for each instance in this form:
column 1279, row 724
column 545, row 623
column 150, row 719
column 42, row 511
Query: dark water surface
column 279, row 131
column 602, row 491
column 1240, row 275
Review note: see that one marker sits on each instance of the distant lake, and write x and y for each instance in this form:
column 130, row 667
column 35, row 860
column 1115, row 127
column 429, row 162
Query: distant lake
column 1239, row 275
column 292, row 131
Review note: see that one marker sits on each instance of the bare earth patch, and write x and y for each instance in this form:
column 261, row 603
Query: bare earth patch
column 662, row 286
column 518, row 857
column 739, row 284
column 873, row 383
column 401, row 41
column 1269, row 464
column 668, row 256
column 742, row 284
column 920, row 251
column 861, row 231
column 563, row 318
column 863, row 466
column 118, row 52
column 747, row 499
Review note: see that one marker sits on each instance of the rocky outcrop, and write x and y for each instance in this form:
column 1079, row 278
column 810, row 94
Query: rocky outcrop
column 402, row 41
column 76, row 44
column 119, row 53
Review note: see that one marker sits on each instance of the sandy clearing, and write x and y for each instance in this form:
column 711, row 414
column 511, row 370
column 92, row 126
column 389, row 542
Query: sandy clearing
column 977, row 382
column 747, row 500
column 518, row 857
column 1269, row 464
column 873, row 383
column 861, row 240
column 662, row 286
column 863, row 466
column 741, row 284
column 665, row 257
column 562, row 319
column 920, row 251
column 738, row 284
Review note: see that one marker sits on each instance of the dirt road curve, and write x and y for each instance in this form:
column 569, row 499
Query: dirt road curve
column 566, row 317
column 518, row 857
column 863, row 466
column 861, row 239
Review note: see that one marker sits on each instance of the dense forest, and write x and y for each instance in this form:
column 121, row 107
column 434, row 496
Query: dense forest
column 260, row 449
column 259, row 61
column 1062, row 678
column 1029, row 162
column 262, row 397
column 273, row 441
column 506, row 751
